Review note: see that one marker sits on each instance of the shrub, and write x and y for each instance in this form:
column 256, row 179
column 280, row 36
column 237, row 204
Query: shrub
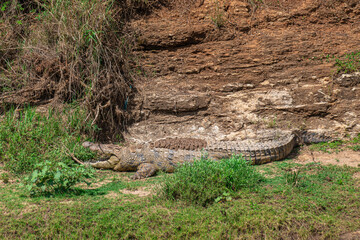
column 205, row 180
column 51, row 177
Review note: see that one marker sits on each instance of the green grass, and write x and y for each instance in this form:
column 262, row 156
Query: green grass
column 355, row 143
column 355, row 148
column 339, row 145
column 324, row 204
column 28, row 138
column 327, row 147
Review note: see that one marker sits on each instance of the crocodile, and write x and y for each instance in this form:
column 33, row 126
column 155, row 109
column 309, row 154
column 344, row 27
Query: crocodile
column 166, row 154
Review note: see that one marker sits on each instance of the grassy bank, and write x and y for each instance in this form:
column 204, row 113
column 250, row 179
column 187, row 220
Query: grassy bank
column 228, row 199
column 294, row 201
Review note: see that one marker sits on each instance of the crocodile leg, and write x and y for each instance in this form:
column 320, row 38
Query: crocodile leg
column 109, row 164
column 145, row 170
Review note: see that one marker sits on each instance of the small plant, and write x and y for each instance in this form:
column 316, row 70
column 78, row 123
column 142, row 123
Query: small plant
column 348, row 63
column 5, row 177
column 225, row 197
column 206, row 181
column 4, row 5
column 255, row 4
column 292, row 177
column 218, row 17
column 356, row 139
column 49, row 177
column 272, row 123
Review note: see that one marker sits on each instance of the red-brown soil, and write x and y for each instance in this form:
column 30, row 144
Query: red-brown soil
column 266, row 67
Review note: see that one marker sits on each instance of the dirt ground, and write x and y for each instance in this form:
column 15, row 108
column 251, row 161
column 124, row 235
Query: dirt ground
column 269, row 65
column 345, row 157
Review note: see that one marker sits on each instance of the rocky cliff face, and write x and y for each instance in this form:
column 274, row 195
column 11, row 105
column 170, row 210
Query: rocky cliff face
column 229, row 68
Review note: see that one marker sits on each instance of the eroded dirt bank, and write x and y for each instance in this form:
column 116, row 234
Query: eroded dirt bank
column 269, row 65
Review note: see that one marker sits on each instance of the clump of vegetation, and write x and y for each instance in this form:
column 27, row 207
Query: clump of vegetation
column 272, row 123
column 218, row 16
column 355, row 148
column 292, row 177
column 5, row 177
column 348, row 63
column 255, row 4
column 28, row 138
column 56, row 177
column 355, row 143
column 204, row 181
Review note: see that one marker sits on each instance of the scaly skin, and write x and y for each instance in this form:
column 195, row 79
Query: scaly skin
column 147, row 161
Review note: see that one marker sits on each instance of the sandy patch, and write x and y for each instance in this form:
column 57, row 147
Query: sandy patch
column 94, row 185
column 346, row 157
column 112, row 195
column 67, row 202
column 357, row 175
column 139, row 192
column 350, row 236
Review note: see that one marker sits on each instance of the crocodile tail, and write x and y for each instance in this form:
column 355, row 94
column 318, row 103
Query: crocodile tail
column 308, row 137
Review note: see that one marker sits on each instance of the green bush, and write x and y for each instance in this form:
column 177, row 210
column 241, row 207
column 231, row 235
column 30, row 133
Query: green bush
column 56, row 177
column 28, row 138
column 205, row 180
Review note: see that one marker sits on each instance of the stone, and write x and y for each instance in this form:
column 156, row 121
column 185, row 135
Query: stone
column 349, row 80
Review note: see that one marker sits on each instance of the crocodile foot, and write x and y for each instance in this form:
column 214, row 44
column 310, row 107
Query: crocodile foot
column 144, row 170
